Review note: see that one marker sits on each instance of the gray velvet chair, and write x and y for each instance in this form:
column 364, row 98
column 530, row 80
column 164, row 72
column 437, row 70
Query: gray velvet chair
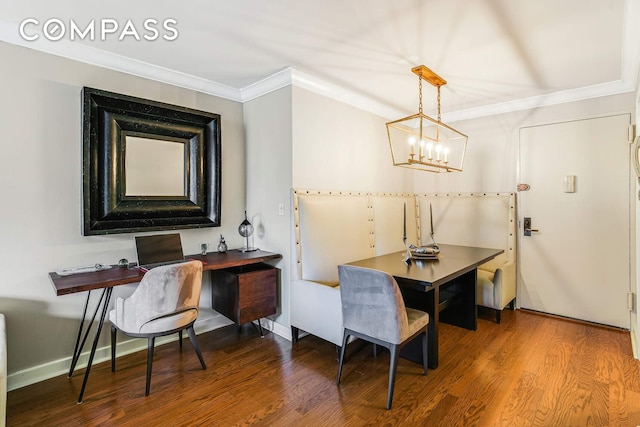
column 373, row 310
column 165, row 302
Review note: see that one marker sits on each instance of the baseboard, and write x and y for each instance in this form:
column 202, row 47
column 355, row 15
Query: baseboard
column 634, row 345
column 208, row 320
column 276, row 328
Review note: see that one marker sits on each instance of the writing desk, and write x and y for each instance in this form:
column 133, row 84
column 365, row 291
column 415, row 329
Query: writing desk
column 115, row 276
column 444, row 287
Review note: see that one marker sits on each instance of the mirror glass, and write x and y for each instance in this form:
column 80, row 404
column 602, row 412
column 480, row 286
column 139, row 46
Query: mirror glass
column 154, row 167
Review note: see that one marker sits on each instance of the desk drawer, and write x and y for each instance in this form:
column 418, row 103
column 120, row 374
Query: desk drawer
column 245, row 294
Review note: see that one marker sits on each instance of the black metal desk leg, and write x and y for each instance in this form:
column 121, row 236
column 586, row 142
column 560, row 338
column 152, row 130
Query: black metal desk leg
column 258, row 328
column 78, row 347
column 105, row 307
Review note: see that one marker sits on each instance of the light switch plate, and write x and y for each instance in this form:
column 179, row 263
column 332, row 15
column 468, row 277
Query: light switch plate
column 570, row 184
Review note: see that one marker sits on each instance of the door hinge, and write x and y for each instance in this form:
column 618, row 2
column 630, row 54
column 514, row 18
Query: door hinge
column 632, row 133
column 631, row 301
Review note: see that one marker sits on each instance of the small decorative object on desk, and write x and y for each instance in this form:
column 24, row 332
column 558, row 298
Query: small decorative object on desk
column 82, row 269
column 246, row 229
column 123, row 263
column 222, row 245
column 424, row 252
column 203, row 248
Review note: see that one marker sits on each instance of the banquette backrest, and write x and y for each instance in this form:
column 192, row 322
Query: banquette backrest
column 388, row 220
column 333, row 228
column 471, row 219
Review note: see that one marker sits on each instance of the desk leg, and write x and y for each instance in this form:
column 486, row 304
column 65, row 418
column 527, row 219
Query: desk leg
column 78, row 347
column 105, row 301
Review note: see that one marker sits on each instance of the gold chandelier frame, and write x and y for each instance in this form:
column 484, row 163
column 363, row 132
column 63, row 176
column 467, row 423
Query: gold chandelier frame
column 423, row 143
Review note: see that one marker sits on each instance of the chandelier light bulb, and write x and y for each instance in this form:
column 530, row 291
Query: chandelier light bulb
column 438, row 151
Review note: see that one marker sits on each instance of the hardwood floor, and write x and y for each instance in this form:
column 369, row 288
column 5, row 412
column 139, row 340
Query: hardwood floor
column 532, row 370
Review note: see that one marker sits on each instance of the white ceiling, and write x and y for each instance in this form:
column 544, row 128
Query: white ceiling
column 496, row 55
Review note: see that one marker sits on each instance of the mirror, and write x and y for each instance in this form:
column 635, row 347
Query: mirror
column 143, row 177
column 148, row 165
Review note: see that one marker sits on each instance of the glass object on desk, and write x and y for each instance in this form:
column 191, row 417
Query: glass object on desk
column 246, row 229
column 222, row 245
column 203, row 248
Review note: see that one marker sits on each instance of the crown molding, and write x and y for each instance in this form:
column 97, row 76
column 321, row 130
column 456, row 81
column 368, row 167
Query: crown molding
column 271, row 83
column 358, row 100
column 9, row 33
column 290, row 76
column 572, row 95
column 629, row 69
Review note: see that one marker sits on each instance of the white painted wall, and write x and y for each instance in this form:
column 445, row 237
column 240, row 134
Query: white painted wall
column 268, row 129
column 491, row 160
column 41, row 182
column 299, row 139
column 337, row 146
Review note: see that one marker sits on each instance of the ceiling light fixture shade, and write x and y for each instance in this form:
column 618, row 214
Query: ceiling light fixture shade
column 423, row 143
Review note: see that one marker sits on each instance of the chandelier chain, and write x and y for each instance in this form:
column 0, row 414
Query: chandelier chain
column 420, row 94
column 438, row 103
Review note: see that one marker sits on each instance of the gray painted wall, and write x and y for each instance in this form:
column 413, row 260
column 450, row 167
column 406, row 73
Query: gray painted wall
column 41, row 183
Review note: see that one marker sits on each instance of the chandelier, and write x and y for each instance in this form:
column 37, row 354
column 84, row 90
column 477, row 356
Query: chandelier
column 423, row 143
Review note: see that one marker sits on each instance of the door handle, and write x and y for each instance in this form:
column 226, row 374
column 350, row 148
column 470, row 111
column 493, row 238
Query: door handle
column 527, row 227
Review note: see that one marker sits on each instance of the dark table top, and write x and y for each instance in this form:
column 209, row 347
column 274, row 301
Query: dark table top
column 452, row 261
column 64, row 285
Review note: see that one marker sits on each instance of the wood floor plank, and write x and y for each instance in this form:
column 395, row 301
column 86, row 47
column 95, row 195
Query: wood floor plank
column 530, row 370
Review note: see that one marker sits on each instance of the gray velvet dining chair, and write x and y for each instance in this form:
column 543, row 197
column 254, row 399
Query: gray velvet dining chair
column 373, row 310
column 165, row 302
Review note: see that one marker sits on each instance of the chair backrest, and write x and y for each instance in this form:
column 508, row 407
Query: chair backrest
column 164, row 291
column 372, row 304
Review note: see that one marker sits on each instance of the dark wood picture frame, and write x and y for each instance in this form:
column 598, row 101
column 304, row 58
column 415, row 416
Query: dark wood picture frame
column 108, row 118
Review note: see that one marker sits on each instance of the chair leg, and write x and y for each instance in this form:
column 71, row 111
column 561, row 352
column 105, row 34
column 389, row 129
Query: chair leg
column 375, row 350
column 393, row 364
column 150, row 345
column 114, row 332
column 295, row 332
column 180, row 338
column 425, row 354
column 194, row 343
column 342, row 351
column 498, row 316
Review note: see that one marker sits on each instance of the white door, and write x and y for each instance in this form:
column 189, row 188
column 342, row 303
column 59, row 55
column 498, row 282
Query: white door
column 577, row 263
